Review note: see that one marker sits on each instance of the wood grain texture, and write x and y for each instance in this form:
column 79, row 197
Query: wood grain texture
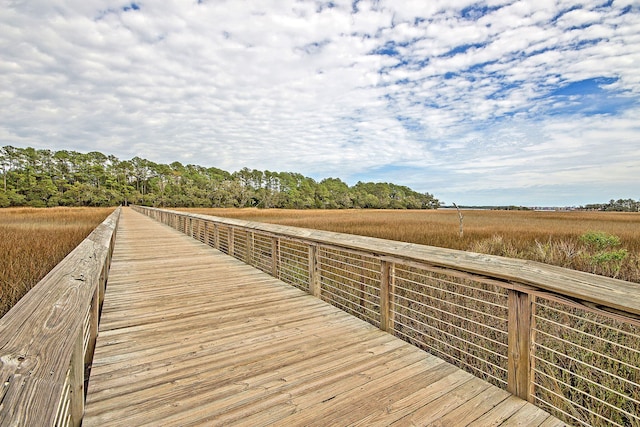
column 44, row 330
column 190, row 336
column 519, row 363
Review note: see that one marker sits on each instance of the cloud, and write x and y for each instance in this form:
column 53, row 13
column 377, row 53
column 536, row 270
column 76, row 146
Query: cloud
column 482, row 96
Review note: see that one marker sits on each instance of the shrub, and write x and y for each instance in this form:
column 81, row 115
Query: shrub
column 599, row 240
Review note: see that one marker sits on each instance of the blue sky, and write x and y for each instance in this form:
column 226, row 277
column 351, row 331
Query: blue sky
column 494, row 102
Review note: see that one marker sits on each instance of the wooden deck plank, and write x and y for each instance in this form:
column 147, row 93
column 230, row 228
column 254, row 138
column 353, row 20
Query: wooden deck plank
column 190, row 336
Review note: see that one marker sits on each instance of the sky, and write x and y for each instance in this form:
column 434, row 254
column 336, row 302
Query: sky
column 533, row 103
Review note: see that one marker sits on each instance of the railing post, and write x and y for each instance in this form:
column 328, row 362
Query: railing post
column 76, row 380
column 102, row 286
column 250, row 248
column 519, row 363
column 230, row 246
column 314, row 271
column 94, row 319
column 386, row 292
column 216, row 237
column 275, row 246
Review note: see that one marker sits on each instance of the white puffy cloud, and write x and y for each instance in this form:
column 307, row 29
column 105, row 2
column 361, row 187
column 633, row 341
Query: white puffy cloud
column 476, row 95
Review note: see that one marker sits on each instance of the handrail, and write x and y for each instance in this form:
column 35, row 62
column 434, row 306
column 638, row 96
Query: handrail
column 565, row 340
column 48, row 338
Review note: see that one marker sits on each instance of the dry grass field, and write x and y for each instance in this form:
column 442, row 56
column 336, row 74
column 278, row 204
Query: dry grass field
column 34, row 240
column 606, row 243
column 586, row 364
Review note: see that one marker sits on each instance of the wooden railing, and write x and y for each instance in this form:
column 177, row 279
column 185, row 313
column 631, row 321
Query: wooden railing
column 47, row 339
column 565, row 340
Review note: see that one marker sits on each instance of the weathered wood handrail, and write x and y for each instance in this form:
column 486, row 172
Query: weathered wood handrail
column 47, row 339
column 565, row 340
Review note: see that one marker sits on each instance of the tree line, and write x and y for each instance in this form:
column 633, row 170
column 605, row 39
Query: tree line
column 620, row 205
column 45, row 178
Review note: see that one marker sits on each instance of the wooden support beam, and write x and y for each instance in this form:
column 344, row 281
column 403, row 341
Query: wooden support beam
column 76, row 381
column 275, row 249
column 314, row 271
column 386, row 295
column 519, row 363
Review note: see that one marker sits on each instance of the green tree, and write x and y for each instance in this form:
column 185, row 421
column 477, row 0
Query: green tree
column 70, row 178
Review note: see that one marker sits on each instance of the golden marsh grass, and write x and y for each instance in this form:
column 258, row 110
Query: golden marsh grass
column 586, row 369
column 35, row 240
column 550, row 237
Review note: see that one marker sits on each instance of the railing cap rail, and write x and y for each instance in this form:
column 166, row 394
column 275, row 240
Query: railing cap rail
column 604, row 292
column 38, row 334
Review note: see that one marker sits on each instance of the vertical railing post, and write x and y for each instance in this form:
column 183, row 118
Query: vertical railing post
column 102, row 286
column 386, row 296
column 230, row 246
column 76, row 380
column 275, row 248
column 94, row 319
column 519, row 363
column 216, row 237
column 314, row 271
column 249, row 247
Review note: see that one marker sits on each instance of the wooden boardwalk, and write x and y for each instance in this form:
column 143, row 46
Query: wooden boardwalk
column 190, row 336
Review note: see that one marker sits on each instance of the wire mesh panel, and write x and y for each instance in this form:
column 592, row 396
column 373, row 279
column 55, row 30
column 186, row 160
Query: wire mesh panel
column 223, row 239
column 241, row 245
column 293, row 263
column 213, row 233
column 198, row 232
column 586, row 366
column 463, row 321
column 351, row 281
column 262, row 252
column 193, row 228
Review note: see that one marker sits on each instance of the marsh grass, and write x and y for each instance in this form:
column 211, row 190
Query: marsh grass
column 585, row 362
column 587, row 366
column 33, row 241
column 549, row 237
